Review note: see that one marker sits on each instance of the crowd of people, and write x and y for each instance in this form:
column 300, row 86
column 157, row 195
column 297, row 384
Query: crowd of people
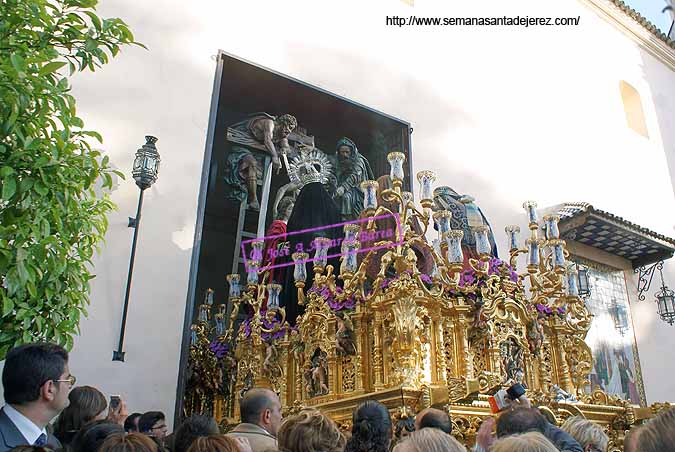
column 45, row 412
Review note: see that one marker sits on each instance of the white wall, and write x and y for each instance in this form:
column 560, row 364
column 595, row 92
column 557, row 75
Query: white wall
column 505, row 114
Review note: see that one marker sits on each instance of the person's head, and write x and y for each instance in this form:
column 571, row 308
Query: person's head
column 658, row 434
column 434, row 418
column 590, row 435
column 404, row 427
column 526, row 442
column 630, row 440
column 133, row 442
column 131, row 422
column 37, row 374
column 153, row 423
column 346, row 151
column 30, row 449
column 429, row 440
column 310, row 431
column 261, row 407
column 285, row 208
column 194, row 427
column 520, row 420
column 86, row 404
column 371, row 428
column 285, row 125
column 214, row 443
column 91, row 436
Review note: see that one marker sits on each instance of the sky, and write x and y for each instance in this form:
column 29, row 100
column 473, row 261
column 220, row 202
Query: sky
column 651, row 9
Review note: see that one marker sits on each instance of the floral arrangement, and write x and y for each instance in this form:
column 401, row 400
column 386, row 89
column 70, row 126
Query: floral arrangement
column 218, row 348
column 278, row 329
column 548, row 311
column 332, row 300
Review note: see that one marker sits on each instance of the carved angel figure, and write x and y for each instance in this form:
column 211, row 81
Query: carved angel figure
column 535, row 334
column 344, row 336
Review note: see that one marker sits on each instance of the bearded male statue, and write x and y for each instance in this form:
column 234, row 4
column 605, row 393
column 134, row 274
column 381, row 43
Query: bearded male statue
column 352, row 169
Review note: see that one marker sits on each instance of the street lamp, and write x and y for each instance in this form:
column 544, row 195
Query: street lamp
column 144, row 172
column 665, row 301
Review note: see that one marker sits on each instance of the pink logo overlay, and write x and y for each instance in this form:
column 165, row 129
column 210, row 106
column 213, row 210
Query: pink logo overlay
column 278, row 248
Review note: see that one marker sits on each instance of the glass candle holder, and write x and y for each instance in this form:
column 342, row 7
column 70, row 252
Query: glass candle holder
column 235, row 287
column 204, row 313
column 209, row 297
column 454, row 241
column 407, row 199
column 351, row 231
column 482, row 241
column 273, row 291
column 252, row 272
column 442, row 219
column 349, row 258
column 369, row 189
column 512, row 232
column 193, row 335
column 426, row 179
column 257, row 250
column 436, row 244
column 531, row 209
column 572, row 282
column 220, row 324
column 558, row 253
column 321, row 245
column 396, row 160
column 533, row 251
column 551, row 222
column 300, row 270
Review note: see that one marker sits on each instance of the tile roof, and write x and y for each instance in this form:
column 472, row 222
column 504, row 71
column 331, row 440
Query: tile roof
column 639, row 18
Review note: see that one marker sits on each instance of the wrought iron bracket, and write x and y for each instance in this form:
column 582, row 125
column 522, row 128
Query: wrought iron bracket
column 645, row 277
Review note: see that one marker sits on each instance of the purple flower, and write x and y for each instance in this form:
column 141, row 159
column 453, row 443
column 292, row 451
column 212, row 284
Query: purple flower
column 560, row 310
column 385, row 283
column 218, row 348
column 426, row 279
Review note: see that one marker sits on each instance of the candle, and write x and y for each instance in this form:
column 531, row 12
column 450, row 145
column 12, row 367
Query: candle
column 203, row 313
column 533, row 251
column 482, row 241
column 442, row 219
column 220, row 324
column 300, row 271
column 572, row 282
column 436, row 245
column 426, row 180
column 209, row 297
column 235, row 288
column 531, row 209
column 396, row 160
column 369, row 189
column 193, row 335
column 257, row 251
column 349, row 260
column 558, row 253
column 252, row 272
column 321, row 245
column 273, row 290
column 454, row 242
column 551, row 222
column 512, row 232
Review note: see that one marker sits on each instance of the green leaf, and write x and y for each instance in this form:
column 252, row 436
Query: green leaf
column 8, row 187
column 18, row 62
column 6, row 171
column 94, row 19
column 7, row 306
column 51, row 67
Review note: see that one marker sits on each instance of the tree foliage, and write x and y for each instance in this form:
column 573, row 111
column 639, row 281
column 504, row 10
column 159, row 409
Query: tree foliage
column 51, row 218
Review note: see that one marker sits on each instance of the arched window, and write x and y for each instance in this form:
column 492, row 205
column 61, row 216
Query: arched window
column 632, row 107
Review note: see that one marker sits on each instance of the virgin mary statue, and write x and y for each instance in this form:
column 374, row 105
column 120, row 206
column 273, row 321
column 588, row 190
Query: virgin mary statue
column 314, row 214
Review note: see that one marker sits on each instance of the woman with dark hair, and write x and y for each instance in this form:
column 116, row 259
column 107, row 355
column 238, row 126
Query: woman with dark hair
column 371, row 428
column 86, row 404
column 91, row 436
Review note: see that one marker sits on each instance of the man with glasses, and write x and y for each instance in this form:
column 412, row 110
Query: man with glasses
column 36, row 382
column 153, row 424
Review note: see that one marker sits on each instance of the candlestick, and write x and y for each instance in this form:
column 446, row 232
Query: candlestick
column 300, row 271
column 482, row 241
column 512, row 232
column 442, row 219
column 426, row 179
column 454, row 241
column 551, row 222
column 273, row 291
column 369, row 189
column 396, row 160
column 533, row 251
column 531, row 209
column 235, row 288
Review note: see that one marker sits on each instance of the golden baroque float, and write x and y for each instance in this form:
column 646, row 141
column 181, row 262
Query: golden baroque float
column 471, row 325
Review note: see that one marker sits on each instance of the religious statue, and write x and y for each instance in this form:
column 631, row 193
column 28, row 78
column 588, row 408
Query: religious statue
column 271, row 131
column 316, row 375
column 241, row 176
column 276, row 247
column 479, row 329
column 465, row 215
column 352, row 169
column 243, row 169
column 270, row 365
column 535, row 333
column 560, row 395
column 511, row 355
column 344, row 336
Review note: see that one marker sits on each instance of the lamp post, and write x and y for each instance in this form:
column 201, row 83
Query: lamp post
column 144, row 172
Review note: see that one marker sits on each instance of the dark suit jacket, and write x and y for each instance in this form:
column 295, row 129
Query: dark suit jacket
column 10, row 436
